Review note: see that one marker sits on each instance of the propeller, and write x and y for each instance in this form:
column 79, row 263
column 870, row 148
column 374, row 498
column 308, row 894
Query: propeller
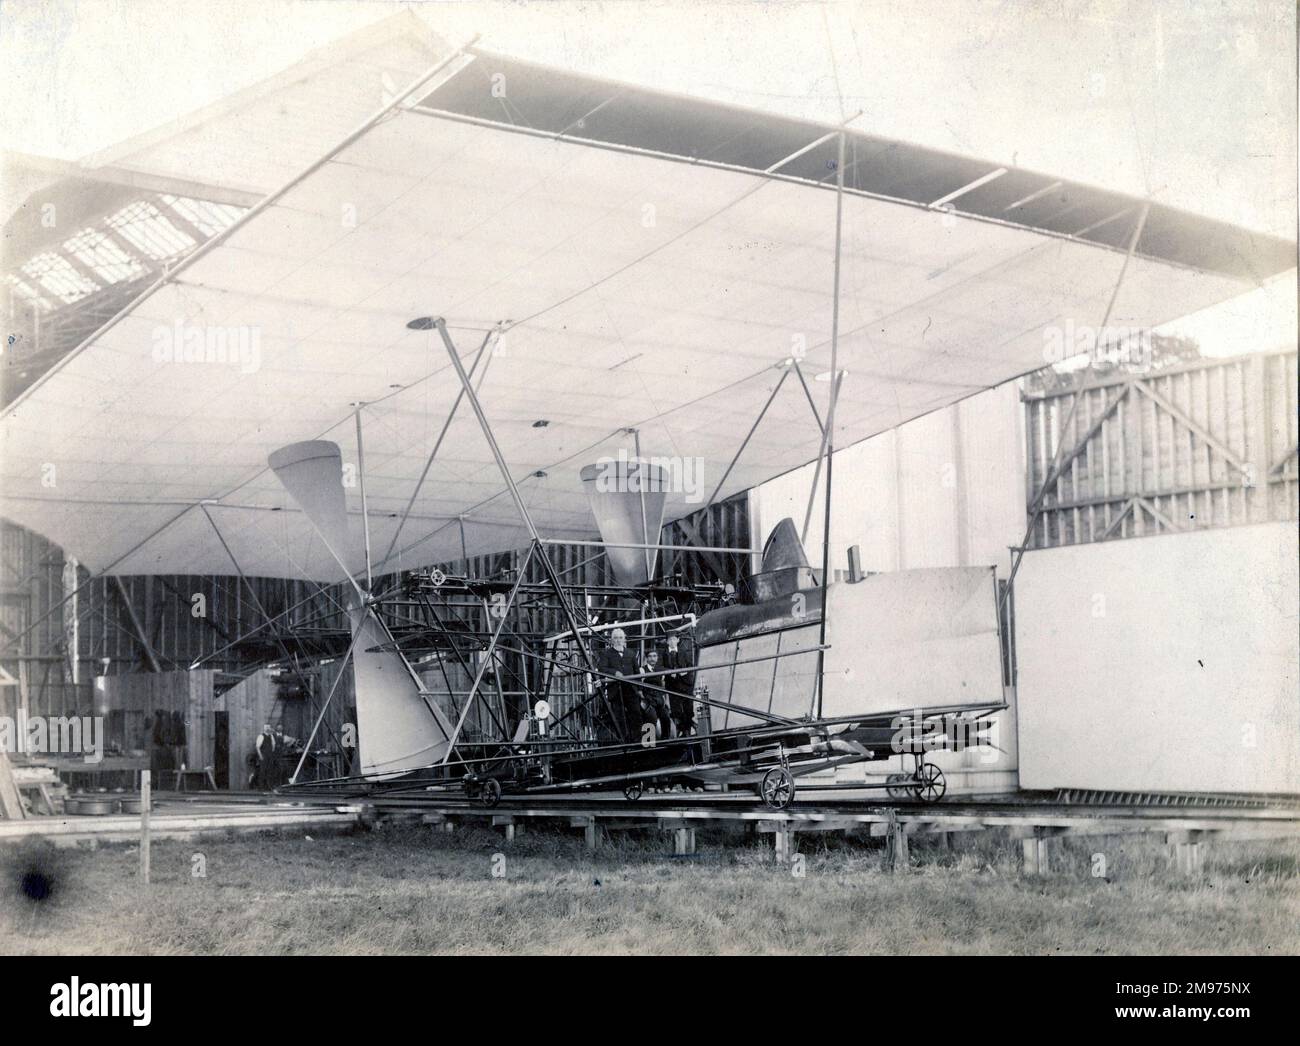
column 398, row 728
column 627, row 497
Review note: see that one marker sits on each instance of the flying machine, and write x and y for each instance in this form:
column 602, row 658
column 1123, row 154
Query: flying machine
column 619, row 266
column 412, row 736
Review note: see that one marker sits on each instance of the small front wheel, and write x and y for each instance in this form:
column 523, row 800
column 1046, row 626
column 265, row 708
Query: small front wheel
column 777, row 789
column 490, row 793
column 633, row 790
column 930, row 783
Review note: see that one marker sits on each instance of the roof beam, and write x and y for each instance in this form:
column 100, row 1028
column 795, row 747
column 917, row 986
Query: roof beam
column 968, row 187
column 173, row 186
column 141, row 637
column 1031, row 197
column 810, row 146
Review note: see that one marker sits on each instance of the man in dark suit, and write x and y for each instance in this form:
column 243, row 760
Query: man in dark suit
column 267, row 750
column 618, row 661
column 682, row 684
column 654, row 704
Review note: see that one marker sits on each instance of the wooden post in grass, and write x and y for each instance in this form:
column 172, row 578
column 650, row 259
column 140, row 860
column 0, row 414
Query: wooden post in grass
column 783, row 843
column 898, row 855
column 146, row 800
column 1188, row 856
column 1033, row 851
column 590, row 831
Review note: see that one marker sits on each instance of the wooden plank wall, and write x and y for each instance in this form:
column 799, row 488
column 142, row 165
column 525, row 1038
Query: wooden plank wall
column 724, row 525
column 249, row 704
column 165, row 604
column 50, row 699
column 33, row 585
column 132, row 699
column 30, row 586
column 1205, row 444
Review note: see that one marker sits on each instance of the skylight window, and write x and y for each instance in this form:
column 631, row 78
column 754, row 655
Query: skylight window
column 104, row 256
column 149, row 230
column 208, row 218
column 29, row 294
column 59, row 276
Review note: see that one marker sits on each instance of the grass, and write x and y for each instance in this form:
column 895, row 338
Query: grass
column 409, row 890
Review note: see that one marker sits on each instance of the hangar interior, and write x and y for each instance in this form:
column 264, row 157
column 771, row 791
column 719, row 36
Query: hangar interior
column 1063, row 483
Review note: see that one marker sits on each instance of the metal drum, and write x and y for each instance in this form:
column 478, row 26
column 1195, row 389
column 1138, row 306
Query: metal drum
column 133, row 804
column 92, row 805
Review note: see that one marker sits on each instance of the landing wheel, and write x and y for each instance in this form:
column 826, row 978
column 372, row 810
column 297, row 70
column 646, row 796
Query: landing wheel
column 899, row 786
column 777, row 789
column 930, row 784
column 490, row 792
column 633, row 790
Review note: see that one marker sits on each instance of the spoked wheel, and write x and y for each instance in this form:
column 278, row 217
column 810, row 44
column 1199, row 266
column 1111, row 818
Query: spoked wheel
column 929, row 783
column 490, row 792
column 777, row 789
column 633, row 790
column 900, row 786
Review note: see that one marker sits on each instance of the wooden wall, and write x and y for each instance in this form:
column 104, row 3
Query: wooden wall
column 1210, row 443
column 130, row 701
column 249, row 704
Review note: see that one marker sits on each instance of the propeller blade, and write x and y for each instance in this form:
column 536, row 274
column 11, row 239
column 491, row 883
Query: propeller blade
column 398, row 728
column 312, row 473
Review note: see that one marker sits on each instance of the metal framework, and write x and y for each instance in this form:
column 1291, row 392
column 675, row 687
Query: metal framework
column 768, row 756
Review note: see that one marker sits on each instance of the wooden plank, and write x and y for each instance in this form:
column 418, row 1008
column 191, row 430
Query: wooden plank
column 11, row 803
column 1118, row 520
column 1078, row 446
column 1178, row 414
column 146, row 801
column 1122, row 498
column 127, row 827
column 1258, row 433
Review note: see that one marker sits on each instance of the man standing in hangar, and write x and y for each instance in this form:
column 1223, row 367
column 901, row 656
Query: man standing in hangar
column 682, row 683
column 618, row 661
